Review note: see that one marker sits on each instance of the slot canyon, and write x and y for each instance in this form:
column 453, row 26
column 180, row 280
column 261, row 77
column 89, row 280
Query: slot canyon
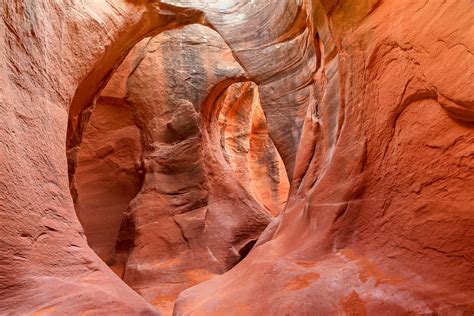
column 237, row 157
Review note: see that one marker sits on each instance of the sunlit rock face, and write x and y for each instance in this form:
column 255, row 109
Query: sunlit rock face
column 370, row 105
column 248, row 148
column 273, row 43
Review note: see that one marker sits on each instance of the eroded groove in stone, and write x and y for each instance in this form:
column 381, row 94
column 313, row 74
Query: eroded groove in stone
column 248, row 148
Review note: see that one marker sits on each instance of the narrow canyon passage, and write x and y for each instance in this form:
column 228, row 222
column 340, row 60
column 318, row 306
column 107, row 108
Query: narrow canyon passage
column 236, row 157
column 152, row 169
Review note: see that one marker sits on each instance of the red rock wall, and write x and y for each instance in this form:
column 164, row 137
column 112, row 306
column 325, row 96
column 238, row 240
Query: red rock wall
column 380, row 218
column 248, row 148
column 191, row 217
column 201, row 197
column 49, row 48
column 107, row 174
column 369, row 104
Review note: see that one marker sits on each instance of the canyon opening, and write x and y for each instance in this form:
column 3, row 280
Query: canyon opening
column 151, row 146
column 280, row 157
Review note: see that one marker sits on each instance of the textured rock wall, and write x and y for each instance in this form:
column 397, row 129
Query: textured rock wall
column 47, row 50
column 107, row 174
column 369, row 103
column 210, row 175
column 191, row 217
column 105, row 169
column 271, row 41
column 380, row 215
column 248, row 148
column 55, row 57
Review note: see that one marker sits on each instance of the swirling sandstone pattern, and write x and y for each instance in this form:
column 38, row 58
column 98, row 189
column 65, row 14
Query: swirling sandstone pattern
column 248, row 148
column 369, row 103
column 206, row 177
column 380, row 219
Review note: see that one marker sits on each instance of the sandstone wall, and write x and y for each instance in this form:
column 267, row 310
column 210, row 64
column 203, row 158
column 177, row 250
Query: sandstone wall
column 203, row 173
column 369, row 103
column 380, row 216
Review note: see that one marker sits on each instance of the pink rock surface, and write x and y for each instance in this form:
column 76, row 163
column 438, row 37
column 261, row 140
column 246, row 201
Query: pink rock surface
column 107, row 174
column 380, row 217
column 192, row 217
column 248, row 148
column 370, row 105
column 205, row 181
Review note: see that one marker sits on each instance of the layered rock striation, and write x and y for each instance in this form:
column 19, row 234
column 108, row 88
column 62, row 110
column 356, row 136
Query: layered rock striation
column 370, row 105
column 379, row 218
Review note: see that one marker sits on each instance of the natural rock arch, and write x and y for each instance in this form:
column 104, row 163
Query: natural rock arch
column 43, row 256
column 190, row 162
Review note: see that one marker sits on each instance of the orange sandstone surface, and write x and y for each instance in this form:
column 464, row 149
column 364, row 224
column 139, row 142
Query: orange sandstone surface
column 280, row 157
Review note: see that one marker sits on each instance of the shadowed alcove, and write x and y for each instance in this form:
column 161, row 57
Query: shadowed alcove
column 173, row 153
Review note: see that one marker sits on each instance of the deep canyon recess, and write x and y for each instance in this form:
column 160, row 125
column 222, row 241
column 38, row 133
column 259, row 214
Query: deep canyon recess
column 237, row 157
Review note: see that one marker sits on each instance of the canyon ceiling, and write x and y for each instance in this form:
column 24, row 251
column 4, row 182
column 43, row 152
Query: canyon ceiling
column 237, row 157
